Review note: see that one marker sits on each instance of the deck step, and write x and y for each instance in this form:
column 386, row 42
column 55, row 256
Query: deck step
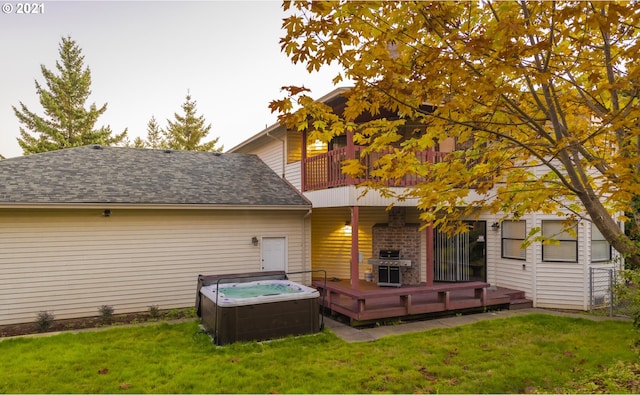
column 521, row 303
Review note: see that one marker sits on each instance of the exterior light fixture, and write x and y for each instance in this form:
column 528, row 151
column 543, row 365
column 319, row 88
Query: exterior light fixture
column 347, row 228
column 495, row 226
column 254, row 240
column 106, row 212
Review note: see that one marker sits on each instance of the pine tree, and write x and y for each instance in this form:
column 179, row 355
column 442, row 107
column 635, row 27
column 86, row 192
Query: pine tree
column 155, row 137
column 155, row 134
column 67, row 123
column 188, row 130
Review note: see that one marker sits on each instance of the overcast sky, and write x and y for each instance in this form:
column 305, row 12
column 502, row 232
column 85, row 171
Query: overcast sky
column 145, row 55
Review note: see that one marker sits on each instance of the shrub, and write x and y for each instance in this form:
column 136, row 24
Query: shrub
column 154, row 311
column 627, row 295
column 106, row 313
column 44, row 320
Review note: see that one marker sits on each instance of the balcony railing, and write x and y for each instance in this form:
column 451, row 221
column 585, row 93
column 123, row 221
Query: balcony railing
column 325, row 170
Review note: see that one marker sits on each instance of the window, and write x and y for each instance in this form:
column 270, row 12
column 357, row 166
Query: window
column 600, row 248
column 565, row 246
column 513, row 235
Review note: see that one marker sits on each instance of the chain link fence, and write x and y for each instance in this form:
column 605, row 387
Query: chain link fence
column 601, row 289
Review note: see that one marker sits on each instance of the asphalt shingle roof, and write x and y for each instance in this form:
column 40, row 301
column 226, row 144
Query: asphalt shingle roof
column 95, row 174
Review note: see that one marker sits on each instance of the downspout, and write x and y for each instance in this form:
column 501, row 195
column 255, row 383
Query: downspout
column 284, row 154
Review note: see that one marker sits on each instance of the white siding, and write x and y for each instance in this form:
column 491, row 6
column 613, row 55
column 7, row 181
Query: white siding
column 548, row 284
column 561, row 286
column 70, row 262
column 352, row 196
column 504, row 272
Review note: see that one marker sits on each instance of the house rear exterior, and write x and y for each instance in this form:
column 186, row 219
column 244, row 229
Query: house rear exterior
column 351, row 229
column 131, row 228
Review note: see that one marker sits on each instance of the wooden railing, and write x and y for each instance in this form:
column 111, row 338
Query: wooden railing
column 325, row 170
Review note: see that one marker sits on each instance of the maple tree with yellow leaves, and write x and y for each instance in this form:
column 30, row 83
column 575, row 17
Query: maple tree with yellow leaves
column 542, row 96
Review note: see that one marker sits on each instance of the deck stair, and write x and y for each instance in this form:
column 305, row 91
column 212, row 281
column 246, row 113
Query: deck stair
column 517, row 299
column 368, row 302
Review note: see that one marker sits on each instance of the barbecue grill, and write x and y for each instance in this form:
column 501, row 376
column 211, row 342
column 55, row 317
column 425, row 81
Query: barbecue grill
column 388, row 266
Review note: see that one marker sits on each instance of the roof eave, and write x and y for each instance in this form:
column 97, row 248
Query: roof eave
column 130, row 206
column 331, row 95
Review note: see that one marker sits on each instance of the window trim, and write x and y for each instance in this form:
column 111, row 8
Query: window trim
column 574, row 241
column 610, row 251
column 503, row 238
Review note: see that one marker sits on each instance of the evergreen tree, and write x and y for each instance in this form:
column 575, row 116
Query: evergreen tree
column 155, row 137
column 188, row 130
column 155, row 134
column 67, row 123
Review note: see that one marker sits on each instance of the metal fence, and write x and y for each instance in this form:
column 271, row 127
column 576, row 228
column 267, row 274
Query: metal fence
column 601, row 286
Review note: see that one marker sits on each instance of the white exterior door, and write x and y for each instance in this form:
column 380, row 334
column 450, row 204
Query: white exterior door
column 274, row 253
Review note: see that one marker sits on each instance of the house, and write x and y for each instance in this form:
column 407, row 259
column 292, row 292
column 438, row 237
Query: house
column 352, row 233
column 132, row 228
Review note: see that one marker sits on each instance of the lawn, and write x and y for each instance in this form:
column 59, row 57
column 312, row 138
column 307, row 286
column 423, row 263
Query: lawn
column 529, row 353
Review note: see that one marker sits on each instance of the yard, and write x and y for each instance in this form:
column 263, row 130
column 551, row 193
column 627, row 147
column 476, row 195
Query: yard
column 532, row 353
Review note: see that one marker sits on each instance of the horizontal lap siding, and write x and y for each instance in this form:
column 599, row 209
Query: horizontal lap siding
column 331, row 245
column 561, row 286
column 72, row 262
column 293, row 175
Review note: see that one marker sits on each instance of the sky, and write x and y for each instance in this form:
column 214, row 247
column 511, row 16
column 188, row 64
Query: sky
column 146, row 56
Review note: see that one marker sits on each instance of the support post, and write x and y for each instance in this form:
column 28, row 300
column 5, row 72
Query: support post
column 355, row 255
column 350, row 153
column 430, row 255
column 303, row 162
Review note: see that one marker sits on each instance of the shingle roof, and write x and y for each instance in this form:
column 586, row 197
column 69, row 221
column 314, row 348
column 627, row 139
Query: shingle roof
column 95, row 174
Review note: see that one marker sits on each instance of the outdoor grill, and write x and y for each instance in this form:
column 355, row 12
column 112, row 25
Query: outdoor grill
column 388, row 266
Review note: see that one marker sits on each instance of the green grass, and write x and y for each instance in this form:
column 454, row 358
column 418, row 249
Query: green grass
column 522, row 354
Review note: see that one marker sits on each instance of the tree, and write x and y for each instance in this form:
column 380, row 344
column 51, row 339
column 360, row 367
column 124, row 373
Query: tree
column 187, row 131
column 155, row 136
column 543, row 96
column 67, row 123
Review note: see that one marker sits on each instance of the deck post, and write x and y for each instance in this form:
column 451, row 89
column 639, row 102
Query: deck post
column 355, row 254
column 350, row 154
column 430, row 255
column 303, row 161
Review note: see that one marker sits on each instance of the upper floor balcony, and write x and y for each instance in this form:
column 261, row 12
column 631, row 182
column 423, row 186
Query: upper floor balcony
column 324, row 170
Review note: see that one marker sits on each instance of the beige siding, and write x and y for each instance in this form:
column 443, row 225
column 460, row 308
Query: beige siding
column 72, row 262
column 293, row 174
column 271, row 153
column 270, row 148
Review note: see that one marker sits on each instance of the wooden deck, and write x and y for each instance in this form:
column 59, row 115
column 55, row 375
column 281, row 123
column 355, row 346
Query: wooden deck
column 370, row 302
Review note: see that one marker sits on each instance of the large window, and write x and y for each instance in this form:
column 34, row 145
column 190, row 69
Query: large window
column 600, row 248
column 513, row 235
column 564, row 248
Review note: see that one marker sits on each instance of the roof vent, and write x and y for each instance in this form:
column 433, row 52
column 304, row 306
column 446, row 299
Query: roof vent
column 167, row 151
column 217, row 153
column 97, row 146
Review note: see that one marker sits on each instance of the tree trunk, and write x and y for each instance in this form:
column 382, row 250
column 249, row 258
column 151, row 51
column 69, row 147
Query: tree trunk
column 611, row 231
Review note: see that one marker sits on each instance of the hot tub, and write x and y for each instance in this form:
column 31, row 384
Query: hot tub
column 258, row 310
